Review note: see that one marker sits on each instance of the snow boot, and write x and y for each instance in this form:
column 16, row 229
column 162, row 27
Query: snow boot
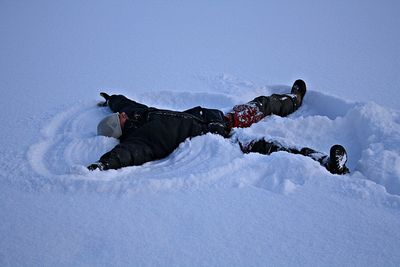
column 299, row 89
column 337, row 160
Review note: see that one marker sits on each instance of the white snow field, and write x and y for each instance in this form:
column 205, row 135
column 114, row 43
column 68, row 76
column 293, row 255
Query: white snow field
column 207, row 204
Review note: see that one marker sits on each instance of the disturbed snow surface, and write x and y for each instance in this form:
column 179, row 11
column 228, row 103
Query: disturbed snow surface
column 207, row 203
column 370, row 133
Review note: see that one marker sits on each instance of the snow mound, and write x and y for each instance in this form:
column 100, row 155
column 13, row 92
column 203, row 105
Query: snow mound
column 370, row 133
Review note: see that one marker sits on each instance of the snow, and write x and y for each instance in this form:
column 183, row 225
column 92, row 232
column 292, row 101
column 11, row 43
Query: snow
column 207, row 203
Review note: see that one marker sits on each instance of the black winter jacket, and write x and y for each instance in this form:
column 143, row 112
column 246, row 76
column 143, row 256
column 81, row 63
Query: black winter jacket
column 152, row 133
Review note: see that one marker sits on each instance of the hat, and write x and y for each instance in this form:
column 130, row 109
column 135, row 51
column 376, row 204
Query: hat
column 110, row 126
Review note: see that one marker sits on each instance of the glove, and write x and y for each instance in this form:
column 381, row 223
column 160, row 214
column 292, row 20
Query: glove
column 97, row 166
column 106, row 97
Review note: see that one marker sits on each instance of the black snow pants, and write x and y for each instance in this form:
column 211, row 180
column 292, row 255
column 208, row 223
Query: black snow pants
column 245, row 115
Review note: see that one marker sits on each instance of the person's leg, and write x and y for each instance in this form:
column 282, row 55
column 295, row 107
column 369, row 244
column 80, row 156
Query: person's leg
column 245, row 115
column 334, row 163
column 265, row 147
column 281, row 105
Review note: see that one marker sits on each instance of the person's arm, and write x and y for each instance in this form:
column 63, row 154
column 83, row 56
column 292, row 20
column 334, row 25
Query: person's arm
column 117, row 158
column 123, row 155
column 118, row 103
column 106, row 98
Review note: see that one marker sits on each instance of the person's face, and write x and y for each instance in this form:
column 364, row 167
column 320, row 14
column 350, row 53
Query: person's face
column 122, row 119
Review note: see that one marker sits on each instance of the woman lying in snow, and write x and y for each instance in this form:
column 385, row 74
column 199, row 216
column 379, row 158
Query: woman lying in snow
column 147, row 133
